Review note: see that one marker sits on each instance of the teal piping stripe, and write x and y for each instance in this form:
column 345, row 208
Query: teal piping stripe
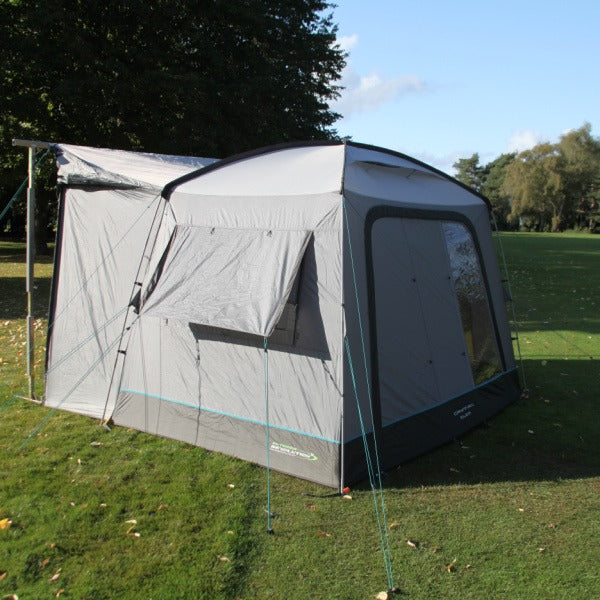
column 440, row 403
column 224, row 414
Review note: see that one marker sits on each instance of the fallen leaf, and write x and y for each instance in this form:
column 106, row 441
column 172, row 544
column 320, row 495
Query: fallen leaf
column 312, row 507
column 103, row 505
column 10, row 597
column 55, row 576
column 96, row 444
column 79, row 461
column 323, row 534
column 53, row 545
column 5, row 523
column 230, row 485
column 132, row 521
column 467, row 567
column 395, row 525
column 412, row 544
column 230, row 532
column 162, row 506
column 44, row 562
column 521, row 509
column 59, row 593
column 540, row 550
column 451, row 567
column 436, row 548
column 224, row 559
column 551, row 525
column 3, row 575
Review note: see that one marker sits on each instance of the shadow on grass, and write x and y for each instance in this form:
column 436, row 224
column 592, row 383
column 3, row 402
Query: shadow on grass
column 551, row 435
column 14, row 299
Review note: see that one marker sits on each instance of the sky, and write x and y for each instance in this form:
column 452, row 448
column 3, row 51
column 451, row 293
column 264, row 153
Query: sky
column 440, row 80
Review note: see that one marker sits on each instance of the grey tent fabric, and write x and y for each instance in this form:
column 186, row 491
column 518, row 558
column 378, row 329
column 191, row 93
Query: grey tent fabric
column 228, row 278
column 373, row 275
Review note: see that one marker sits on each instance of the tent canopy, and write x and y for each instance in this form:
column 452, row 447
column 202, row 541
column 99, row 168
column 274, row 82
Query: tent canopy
column 82, row 165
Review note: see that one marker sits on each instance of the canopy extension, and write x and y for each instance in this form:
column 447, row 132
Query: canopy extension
column 31, row 143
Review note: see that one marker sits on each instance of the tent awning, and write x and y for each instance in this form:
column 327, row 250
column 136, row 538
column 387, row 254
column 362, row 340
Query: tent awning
column 236, row 279
column 83, row 165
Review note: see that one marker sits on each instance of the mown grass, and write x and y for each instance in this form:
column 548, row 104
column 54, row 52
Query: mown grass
column 511, row 510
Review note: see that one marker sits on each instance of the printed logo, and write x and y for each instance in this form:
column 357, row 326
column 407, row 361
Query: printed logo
column 291, row 451
column 464, row 412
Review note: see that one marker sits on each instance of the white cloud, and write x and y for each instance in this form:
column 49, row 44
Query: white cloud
column 524, row 140
column 367, row 92
column 347, row 42
column 442, row 162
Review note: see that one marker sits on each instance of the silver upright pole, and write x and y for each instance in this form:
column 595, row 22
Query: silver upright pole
column 30, row 258
column 32, row 146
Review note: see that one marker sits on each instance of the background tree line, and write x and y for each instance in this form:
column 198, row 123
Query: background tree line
column 551, row 187
column 199, row 78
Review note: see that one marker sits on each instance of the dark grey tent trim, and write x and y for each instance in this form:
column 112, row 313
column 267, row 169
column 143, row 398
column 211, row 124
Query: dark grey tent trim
column 295, row 453
column 56, row 270
column 228, row 415
column 411, row 437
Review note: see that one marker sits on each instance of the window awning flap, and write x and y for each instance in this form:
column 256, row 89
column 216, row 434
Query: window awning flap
column 236, row 279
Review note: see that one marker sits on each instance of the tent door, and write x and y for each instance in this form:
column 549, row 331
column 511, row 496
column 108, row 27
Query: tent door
column 422, row 356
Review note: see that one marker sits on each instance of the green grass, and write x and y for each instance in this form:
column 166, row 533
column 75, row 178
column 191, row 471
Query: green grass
column 515, row 503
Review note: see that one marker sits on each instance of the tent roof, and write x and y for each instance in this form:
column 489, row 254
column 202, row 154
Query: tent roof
column 301, row 168
column 286, row 170
column 83, row 165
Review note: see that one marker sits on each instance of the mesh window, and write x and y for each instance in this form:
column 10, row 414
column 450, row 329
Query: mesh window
column 473, row 302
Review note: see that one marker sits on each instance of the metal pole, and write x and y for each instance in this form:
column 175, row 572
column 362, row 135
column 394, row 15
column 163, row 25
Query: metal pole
column 32, row 146
column 30, row 258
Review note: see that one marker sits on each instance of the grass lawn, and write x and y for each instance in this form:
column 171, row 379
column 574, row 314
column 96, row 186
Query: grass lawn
column 512, row 510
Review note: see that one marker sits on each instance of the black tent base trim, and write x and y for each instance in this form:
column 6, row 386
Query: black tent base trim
column 411, row 437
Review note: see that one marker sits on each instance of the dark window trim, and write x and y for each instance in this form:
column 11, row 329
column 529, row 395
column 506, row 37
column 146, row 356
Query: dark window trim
column 386, row 211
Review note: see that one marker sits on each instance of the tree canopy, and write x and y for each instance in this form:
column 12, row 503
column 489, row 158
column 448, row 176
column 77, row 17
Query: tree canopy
column 208, row 78
column 548, row 187
column 211, row 78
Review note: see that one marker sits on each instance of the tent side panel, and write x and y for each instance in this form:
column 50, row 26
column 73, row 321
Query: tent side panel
column 424, row 431
column 212, row 380
column 305, row 456
column 448, row 412
column 102, row 238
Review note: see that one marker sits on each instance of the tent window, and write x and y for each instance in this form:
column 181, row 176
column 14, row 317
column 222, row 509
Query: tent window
column 473, row 302
column 284, row 332
column 241, row 280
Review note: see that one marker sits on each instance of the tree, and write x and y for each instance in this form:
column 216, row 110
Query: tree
column 493, row 189
column 581, row 164
column 557, row 185
column 535, row 182
column 470, row 172
column 208, row 78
